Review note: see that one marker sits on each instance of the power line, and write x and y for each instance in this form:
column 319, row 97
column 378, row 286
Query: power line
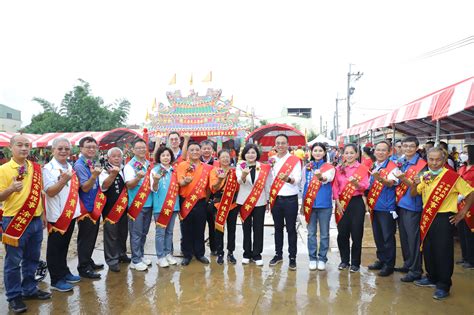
column 447, row 48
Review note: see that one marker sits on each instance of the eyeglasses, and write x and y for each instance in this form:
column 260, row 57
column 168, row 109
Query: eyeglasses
column 140, row 149
column 411, row 146
column 63, row 149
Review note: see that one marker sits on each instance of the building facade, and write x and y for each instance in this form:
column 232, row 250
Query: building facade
column 10, row 119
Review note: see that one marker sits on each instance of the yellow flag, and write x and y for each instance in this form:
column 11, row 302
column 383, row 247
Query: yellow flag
column 173, row 80
column 147, row 115
column 208, row 77
column 191, row 80
column 153, row 106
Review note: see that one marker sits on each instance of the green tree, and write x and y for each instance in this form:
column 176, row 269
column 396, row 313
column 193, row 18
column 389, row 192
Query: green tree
column 79, row 111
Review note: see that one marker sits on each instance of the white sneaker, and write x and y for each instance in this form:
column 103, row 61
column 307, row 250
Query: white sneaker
column 146, row 261
column 313, row 265
column 139, row 267
column 321, row 265
column 259, row 262
column 171, row 259
column 245, row 261
column 163, row 262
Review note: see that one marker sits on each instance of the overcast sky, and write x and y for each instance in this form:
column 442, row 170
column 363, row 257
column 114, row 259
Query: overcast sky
column 267, row 54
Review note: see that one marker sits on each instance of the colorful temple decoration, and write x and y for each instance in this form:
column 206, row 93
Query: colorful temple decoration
column 200, row 116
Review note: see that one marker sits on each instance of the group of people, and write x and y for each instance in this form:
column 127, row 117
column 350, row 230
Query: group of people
column 187, row 181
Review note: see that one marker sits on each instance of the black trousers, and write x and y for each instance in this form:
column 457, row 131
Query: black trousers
column 231, row 223
column 115, row 240
column 409, row 227
column 466, row 238
column 285, row 210
column 438, row 251
column 56, row 253
column 86, row 238
column 384, row 226
column 254, row 222
column 350, row 227
column 194, row 226
column 210, row 218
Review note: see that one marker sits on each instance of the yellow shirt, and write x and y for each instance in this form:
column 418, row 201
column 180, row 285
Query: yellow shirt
column 450, row 203
column 15, row 201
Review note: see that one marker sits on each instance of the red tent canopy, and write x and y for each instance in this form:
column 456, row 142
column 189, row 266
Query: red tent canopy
column 6, row 136
column 452, row 106
column 105, row 139
column 265, row 136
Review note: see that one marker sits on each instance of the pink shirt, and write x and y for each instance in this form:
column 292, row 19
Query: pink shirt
column 342, row 178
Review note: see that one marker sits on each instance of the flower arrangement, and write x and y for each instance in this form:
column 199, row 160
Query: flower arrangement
column 22, row 171
column 271, row 161
column 138, row 166
column 243, row 165
column 90, row 164
column 162, row 172
column 310, row 165
column 191, row 168
column 220, row 171
column 428, row 177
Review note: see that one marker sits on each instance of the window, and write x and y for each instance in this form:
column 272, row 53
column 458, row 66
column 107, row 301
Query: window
column 9, row 116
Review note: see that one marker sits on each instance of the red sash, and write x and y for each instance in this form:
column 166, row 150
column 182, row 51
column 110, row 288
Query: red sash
column 349, row 190
column 225, row 205
column 169, row 203
column 16, row 228
column 141, row 197
column 377, row 186
column 192, row 199
column 409, row 174
column 469, row 218
column 312, row 191
column 99, row 203
column 254, row 195
column 119, row 207
column 434, row 202
column 64, row 220
column 287, row 168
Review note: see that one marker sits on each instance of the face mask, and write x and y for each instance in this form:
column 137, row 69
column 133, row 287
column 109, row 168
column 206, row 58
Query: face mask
column 435, row 172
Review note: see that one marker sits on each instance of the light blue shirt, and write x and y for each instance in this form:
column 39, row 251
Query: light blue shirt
column 163, row 186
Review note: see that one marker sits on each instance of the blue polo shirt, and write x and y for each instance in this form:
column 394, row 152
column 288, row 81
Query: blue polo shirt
column 129, row 172
column 407, row 201
column 83, row 174
column 386, row 201
column 323, row 198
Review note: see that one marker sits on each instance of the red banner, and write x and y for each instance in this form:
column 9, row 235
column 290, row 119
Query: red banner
column 141, row 197
column 64, row 220
column 312, row 191
column 409, row 174
column 192, row 199
column 469, row 218
column 349, row 190
column 22, row 219
column 225, row 205
column 377, row 186
column 251, row 201
column 169, row 203
column 434, row 202
column 119, row 207
column 99, row 204
column 287, row 168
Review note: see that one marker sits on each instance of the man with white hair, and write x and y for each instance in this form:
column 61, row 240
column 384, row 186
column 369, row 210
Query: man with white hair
column 112, row 183
column 61, row 187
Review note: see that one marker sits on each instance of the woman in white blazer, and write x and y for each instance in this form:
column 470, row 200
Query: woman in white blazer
column 248, row 172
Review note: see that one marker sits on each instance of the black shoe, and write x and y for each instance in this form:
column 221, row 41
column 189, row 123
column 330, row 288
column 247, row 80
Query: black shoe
column 292, row 265
column 17, row 305
column 114, row 268
column 275, row 260
column 343, row 266
column 204, row 260
column 467, row 265
column 39, row 295
column 401, row 269
column 90, row 274
column 354, row 268
column 460, row 262
column 220, row 259
column 214, row 253
column 231, row 258
column 410, row 278
column 125, row 259
column 385, row 272
column 185, row 261
column 97, row 266
column 377, row 265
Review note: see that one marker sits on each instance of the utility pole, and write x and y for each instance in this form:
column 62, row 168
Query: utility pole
column 336, row 116
column 320, row 124
column 350, row 91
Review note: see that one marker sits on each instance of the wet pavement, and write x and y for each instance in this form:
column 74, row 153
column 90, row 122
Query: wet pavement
column 238, row 289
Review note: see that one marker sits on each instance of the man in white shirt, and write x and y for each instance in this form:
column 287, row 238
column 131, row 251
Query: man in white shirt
column 57, row 176
column 285, row 207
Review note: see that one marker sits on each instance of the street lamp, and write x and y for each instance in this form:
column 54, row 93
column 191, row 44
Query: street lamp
column 350, row 91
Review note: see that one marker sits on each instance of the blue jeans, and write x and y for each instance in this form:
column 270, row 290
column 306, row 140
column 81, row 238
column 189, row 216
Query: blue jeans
column 22, row 261
column 164, row 237
column 138, row 230
column 323, row 216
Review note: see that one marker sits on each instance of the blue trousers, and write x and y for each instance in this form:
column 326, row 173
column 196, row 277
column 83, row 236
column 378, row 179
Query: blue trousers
column 138, row 230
